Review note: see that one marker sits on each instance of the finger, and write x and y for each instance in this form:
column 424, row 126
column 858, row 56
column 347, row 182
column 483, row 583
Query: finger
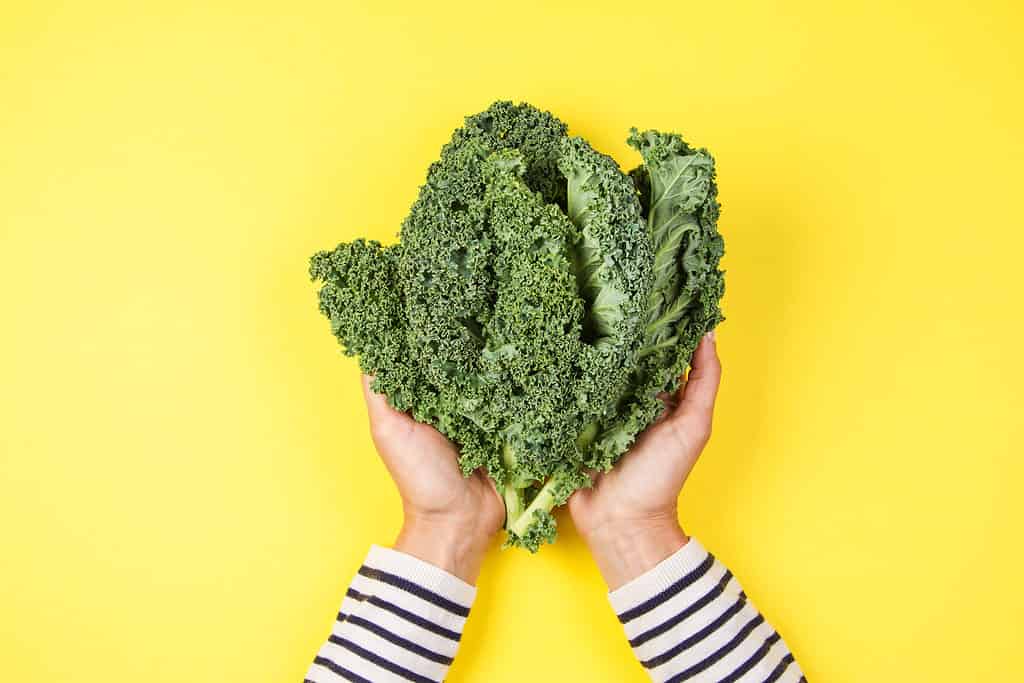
column 594, row 475
column 669, row 402
column 697, row 396
column 581, row 496
column 386, row 430
column 377, row 406
column 482, row 473
column 375, row 403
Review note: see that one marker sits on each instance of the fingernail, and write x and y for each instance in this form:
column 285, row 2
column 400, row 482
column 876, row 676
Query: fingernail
column 710, row 336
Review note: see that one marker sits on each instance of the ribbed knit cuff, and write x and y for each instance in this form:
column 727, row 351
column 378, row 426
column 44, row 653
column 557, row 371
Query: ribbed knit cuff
column 421, row 573
column 658, row 578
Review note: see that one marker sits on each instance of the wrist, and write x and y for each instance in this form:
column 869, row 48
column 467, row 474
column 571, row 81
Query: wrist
column 456, row 548
column 625, row 549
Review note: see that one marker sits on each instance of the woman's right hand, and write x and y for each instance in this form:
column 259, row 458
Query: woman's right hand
column 629, row 519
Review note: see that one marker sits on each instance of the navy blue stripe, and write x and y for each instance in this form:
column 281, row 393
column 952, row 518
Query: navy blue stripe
column 752, row 660
column 397, row 639
column 340, row 670
column 380, row 661
column 674, row 589
column 415, row 589
column 404, row 614
column 689, row 611
column 696, row 637
column 719, row 653
column 776, row 674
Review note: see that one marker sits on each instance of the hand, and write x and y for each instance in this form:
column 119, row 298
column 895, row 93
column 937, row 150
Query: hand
column 629, row 518
column 449, row 519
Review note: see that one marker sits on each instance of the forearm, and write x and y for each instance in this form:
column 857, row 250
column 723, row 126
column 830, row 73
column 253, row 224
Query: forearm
column 439, row 543
column 685, row 615
column 401, row 617
column 625, row 550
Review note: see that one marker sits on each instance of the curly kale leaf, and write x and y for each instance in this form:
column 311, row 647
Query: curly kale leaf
column 611, row 252
column 677, row 186
column 682, row 216
column 361, row 295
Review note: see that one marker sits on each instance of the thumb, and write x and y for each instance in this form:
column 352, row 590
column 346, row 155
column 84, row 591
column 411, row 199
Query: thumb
column 377, row 405
column 697, row 396
column 387, row 427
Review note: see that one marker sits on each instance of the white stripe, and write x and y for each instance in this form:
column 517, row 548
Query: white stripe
column 409, row 602
column 658, row 578
column 406, row 629
column 349, row 605
column 393, row 653
column 741, row 653
column 319, row 674
column 358, row 665
column 687, row 627
column 706, row 647
column 792, row 675
column 423, row 573
column 403, row 628
column 677, row 603
column 763, row 668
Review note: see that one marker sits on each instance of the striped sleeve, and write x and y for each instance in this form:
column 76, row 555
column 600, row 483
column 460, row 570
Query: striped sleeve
column 401, row 620
column 687, row 619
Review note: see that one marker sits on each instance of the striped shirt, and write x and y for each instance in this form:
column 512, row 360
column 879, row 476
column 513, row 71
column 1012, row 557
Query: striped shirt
column 687, row 619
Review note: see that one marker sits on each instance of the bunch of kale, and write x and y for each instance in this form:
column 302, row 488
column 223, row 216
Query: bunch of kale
column 538, row 301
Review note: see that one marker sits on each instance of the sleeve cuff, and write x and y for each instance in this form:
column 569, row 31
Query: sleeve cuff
column 421, row 573
column 659, row 578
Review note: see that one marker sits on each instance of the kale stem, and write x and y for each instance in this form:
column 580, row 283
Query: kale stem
column 542, row 502
column 512, row 495
column 648, row 350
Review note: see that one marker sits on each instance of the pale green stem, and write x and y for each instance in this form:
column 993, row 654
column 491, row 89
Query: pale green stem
column 513, row 503
column 545, row 500
column 513, row 496
column 648, row 350
column 587, row 436
column 518, row 520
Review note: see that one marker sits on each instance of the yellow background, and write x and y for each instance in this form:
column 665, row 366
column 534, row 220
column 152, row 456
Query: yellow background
column 186, row 480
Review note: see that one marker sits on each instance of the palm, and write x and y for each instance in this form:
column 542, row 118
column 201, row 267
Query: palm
column 424, row 465
column 645, row 484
